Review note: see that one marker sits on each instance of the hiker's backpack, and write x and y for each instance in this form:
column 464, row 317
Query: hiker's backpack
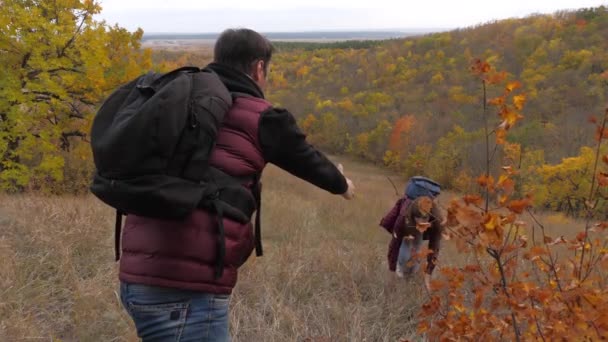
column 151, row 141
column 421, row 186
column 416, row 186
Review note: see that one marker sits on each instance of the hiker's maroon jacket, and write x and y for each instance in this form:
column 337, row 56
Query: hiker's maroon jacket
column 402, row 218
column 182, row 254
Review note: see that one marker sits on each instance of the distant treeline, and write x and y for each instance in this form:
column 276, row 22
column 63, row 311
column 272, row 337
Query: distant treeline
column 308, row 46
column 286, row 36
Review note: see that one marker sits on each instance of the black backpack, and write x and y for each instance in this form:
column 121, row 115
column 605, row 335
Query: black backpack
column 151, row 142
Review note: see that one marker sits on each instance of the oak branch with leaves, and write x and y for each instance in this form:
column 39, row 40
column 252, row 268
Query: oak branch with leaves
column 58, row 63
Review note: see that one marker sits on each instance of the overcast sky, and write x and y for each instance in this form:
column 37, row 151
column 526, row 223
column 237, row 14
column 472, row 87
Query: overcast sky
column 202, row 16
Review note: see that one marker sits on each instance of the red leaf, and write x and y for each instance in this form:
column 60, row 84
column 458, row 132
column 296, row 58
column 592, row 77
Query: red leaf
column 602, row 179
column 518, row 206
column 581, row 236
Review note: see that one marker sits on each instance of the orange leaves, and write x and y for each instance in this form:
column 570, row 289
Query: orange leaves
column 601, row 133
column 480, row 67
column 509, row 118
column 602, row 179
column 483, row 70
column 308, row 123
column 601, row 225
column 497, row 101
column 431, row 306
column 506, row 184
column 303, row 71
column 519, row 101
column 507, row 112
column 501, row 134
column 486, row 182
column 518, row 206
column 468, row 217
column 472, row 268
column 496, row 78
column 580, row 237
column 535, row 253
column 400, row 135
column 472, row 199
column 492, row 221
column 512, row 86
column 515, row 278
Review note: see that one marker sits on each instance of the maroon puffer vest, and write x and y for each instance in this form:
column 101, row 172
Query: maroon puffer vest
column 182, row 254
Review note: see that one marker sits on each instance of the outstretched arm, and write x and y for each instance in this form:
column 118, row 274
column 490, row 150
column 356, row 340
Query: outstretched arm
column 284, row 145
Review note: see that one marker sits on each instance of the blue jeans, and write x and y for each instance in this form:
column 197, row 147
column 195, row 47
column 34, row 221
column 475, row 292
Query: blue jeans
column 408, row 248
column 167, row 314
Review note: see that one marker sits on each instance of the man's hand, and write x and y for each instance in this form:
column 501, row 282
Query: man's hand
column 350, row 192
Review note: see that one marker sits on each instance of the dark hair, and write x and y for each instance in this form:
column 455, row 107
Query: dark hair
column 240, row 48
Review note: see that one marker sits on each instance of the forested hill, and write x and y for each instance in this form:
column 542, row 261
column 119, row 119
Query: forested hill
column 414, row 105
column 411, row 104
column 350, row 96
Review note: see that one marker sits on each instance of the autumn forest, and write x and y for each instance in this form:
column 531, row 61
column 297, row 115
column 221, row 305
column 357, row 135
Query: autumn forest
column 510, row 116
column 411, row 104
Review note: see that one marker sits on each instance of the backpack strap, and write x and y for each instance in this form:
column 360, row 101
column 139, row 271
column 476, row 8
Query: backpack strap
column 161, row 81
column 213, row 200
column 257, row 195
column 117, row 235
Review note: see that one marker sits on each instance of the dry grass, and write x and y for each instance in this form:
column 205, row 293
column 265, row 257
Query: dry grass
column 323, row 275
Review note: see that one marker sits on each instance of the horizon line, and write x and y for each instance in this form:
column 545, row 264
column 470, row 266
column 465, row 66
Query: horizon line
column 371, row 30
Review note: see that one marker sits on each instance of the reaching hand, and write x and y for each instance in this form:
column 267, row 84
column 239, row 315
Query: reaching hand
column 350, row 191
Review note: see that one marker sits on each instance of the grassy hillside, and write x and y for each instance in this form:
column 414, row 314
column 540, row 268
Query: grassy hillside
column 323, row 275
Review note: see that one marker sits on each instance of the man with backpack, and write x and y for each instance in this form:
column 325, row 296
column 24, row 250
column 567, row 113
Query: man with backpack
column 414, row 217
column 177, row 271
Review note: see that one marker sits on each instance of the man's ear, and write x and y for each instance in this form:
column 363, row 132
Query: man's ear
column 259, row 73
